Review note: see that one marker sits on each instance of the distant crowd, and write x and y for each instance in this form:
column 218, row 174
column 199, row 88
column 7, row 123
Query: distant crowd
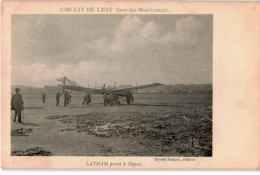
column 110, row 98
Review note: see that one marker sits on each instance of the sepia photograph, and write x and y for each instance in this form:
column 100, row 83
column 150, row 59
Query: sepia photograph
column 130, row 85
column 111, row 85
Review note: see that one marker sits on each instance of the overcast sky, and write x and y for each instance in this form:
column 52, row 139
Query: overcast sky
column 95, row 49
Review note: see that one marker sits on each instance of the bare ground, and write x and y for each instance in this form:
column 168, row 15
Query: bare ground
column 156, row 125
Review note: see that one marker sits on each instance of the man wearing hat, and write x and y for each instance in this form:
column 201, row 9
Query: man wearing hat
column 17, row 105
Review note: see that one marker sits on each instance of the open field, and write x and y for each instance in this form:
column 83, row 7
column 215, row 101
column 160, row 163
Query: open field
column 155, row 125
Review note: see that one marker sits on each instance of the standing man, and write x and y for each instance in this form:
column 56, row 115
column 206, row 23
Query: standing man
column 17, row 105
column 104, row 94
column 111, row 99
column 43, row 97
column 66, row 98
column 104, row 89
column 58, row 98
column 105, row 99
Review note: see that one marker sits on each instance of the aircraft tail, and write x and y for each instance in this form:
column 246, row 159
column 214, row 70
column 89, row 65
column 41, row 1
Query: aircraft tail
column 66, row 81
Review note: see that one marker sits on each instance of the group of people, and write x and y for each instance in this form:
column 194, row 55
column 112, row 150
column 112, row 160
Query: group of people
column 17, row 103
column 109, row 98
column 87, row 99
column 113, row 99
column 67, row 98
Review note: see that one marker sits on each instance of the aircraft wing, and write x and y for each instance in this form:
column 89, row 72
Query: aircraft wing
column 82, row 89
column 138, row 87
column 73, row 86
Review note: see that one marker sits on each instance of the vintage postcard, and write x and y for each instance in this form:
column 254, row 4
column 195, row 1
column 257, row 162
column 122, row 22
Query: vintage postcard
column 130, row 85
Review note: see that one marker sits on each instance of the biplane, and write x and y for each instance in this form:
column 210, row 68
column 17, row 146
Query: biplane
column 126, row 92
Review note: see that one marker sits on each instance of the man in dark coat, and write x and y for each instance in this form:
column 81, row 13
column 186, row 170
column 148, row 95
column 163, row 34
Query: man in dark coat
column 43, row 97
column 17, row 105
column 58, row 98
column 104, row 89
column 66, row 98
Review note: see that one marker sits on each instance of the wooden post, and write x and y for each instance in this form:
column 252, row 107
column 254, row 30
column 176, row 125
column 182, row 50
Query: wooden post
column 63, row 85
column 136, row 86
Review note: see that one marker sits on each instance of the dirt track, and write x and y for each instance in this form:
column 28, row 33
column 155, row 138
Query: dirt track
column 156, row 125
